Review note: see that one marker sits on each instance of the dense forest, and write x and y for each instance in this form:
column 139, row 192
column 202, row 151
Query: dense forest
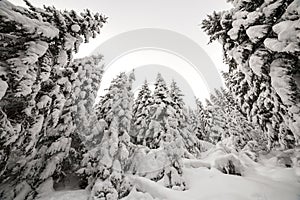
column 55, row 136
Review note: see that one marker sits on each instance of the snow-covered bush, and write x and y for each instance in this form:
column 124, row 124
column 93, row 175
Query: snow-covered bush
column 134, row 194
column 229, row 164
column 284, row 160
column 252, row 149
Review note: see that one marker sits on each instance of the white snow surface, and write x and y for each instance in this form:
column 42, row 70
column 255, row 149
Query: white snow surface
column 257, row 32
column 75, row 28
column 3, row 88
column 65, row 195
column 263, row 180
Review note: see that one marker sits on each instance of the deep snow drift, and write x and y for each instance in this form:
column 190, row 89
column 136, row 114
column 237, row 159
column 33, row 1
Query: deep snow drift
column 262, row 180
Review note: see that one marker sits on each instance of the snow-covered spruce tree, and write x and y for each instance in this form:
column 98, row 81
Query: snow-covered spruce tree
column 141, row 115
column 230, row 126
column 189, row 138
column 177, row 101
column 217, row 120
column 201, row 121
column 58, row 150
column 85, row 92
column 163, row 134
column 87, row 130
column 106, row 162
column 36, row 87
column 161, row 104
column 261, row 47
column 197, row 124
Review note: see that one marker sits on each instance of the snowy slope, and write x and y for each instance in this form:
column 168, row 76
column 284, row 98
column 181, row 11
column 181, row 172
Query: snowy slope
column 260, row 181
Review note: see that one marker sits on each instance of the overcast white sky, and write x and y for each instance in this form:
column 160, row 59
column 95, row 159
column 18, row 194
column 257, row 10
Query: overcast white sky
column 177, row 15
column 180, row 16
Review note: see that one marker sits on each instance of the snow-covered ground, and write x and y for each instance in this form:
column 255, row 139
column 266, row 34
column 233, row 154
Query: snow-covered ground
column 262, row 180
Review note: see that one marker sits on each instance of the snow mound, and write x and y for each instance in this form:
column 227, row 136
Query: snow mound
column 194, row 163
column 135, row 195
column 229, row 164
column 263, row 180
column 66, row 195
